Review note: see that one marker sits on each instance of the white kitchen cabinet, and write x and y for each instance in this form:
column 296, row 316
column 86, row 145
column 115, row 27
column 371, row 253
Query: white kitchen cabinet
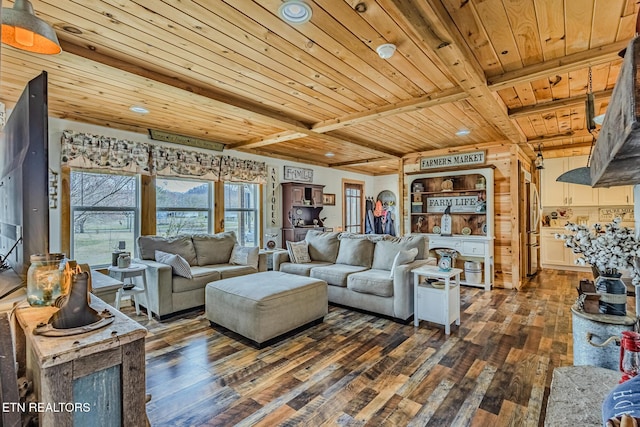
column 580, row 195
column 552, row 192
column 622, row 195
column 563, row 194
column 553, row 253
column 552, row 250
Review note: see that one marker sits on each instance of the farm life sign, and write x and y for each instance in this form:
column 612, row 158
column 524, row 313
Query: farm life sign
column 459, row 204
column 450, row 160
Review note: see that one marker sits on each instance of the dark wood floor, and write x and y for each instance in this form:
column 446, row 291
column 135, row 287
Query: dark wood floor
column 357, row 369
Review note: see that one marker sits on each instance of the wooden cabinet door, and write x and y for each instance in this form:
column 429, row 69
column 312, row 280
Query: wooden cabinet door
column 297, row 195
column 553, row 193
column 316, row 196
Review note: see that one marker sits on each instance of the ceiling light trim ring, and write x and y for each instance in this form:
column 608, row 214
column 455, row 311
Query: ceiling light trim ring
column 295, row 12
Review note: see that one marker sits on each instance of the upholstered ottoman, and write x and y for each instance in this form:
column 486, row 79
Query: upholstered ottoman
column 262, row 306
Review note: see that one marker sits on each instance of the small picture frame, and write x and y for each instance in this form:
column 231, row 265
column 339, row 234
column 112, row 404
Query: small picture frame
column 329, row 199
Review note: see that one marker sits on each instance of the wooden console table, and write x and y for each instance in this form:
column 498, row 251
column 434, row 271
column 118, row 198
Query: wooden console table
column 102, row 372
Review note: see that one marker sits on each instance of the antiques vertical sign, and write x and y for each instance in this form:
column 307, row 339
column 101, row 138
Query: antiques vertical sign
column 273, row 186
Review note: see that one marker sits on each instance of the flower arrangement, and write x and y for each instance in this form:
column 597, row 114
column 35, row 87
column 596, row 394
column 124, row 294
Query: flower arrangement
column 609, row 249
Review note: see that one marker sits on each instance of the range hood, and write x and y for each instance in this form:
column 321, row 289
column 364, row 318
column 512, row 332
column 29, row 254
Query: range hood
column 616, row 156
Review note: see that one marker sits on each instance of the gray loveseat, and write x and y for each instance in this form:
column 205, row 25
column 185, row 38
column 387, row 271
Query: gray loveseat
column 208, row 256
column 357, row 268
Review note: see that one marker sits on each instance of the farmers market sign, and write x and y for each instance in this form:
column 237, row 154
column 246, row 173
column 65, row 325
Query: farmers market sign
column 461, row 159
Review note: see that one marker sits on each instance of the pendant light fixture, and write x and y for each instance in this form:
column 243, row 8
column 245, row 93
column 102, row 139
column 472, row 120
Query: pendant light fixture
column 22, row 29
column 539, row 161
column 582, row 175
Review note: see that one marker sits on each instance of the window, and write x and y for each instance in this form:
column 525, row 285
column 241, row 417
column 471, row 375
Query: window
column 183, row 206
column 353, row 207
column 241, row 212
column 104, row 212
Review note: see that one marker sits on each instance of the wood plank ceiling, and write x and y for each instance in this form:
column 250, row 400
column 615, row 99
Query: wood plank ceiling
column 232, row 71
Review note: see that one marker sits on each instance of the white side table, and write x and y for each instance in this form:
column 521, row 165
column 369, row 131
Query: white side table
column 437, row 305
column 131, row 272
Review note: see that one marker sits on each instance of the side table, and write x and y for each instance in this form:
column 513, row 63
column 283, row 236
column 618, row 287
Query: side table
column 105, row 287
column 131, row 288
column 269, row 255
column 433, row 304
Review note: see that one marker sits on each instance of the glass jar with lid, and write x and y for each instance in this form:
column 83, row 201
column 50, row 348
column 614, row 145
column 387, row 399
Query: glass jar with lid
column 44, row 279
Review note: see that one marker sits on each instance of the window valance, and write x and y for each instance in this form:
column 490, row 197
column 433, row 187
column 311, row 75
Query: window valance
column 84, row 150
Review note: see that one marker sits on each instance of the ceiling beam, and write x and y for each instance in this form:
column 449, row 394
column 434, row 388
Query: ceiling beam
column 553, row 106
column 565, row 64
column 429, row 24
column 560, row 137
column 287, row 135
column 578, row 145
column 359, row 162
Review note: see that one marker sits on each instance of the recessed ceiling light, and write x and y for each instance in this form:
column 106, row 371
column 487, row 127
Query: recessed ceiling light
column 463, row 132
column 329, row 154
column 139, row 109
column 295, row 12
column 599, row 119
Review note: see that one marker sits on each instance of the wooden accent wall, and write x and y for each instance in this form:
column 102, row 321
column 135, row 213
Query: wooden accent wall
column 504, row 157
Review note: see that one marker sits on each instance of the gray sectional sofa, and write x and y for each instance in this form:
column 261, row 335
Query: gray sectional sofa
column 357, row 268
column 208, row 256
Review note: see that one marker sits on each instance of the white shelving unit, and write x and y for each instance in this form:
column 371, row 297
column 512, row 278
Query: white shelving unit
column 479, row 244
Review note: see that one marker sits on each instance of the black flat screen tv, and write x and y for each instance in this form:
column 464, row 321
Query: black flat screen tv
column 24, row 178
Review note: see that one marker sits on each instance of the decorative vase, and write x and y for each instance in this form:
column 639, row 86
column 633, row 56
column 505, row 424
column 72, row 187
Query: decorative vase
column 613, row 293
column 44, row 279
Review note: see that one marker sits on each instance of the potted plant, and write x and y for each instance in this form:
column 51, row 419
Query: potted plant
column 609, row 250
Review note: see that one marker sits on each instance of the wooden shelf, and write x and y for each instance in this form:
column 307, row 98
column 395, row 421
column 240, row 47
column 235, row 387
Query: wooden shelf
column 474, row 190
column 452, row 213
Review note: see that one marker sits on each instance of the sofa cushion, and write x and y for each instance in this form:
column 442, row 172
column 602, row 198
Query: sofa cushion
column 374, row 282
column 181, row 245
column 323, row 246
column 403, row 257
column 335, row 274
column 243, row 255
column 230, row 270
column 214, row 248
column 355, row 252
column 301, row 269
column 298, row 252
column 386, row 250
column 179, row 265
column 201, row 276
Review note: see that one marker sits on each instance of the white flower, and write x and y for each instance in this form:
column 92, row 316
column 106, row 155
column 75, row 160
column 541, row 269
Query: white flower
column 606, row 248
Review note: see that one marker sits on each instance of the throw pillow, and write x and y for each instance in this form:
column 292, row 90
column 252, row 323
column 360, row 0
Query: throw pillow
column 242, row 255
column 299, row 252
column 622, row 399
column 179, row 265
column 403, row 257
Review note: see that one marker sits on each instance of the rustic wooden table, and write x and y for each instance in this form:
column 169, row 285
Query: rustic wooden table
column 92, row 378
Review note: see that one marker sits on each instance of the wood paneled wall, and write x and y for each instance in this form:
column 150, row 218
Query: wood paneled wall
column 504, row 157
